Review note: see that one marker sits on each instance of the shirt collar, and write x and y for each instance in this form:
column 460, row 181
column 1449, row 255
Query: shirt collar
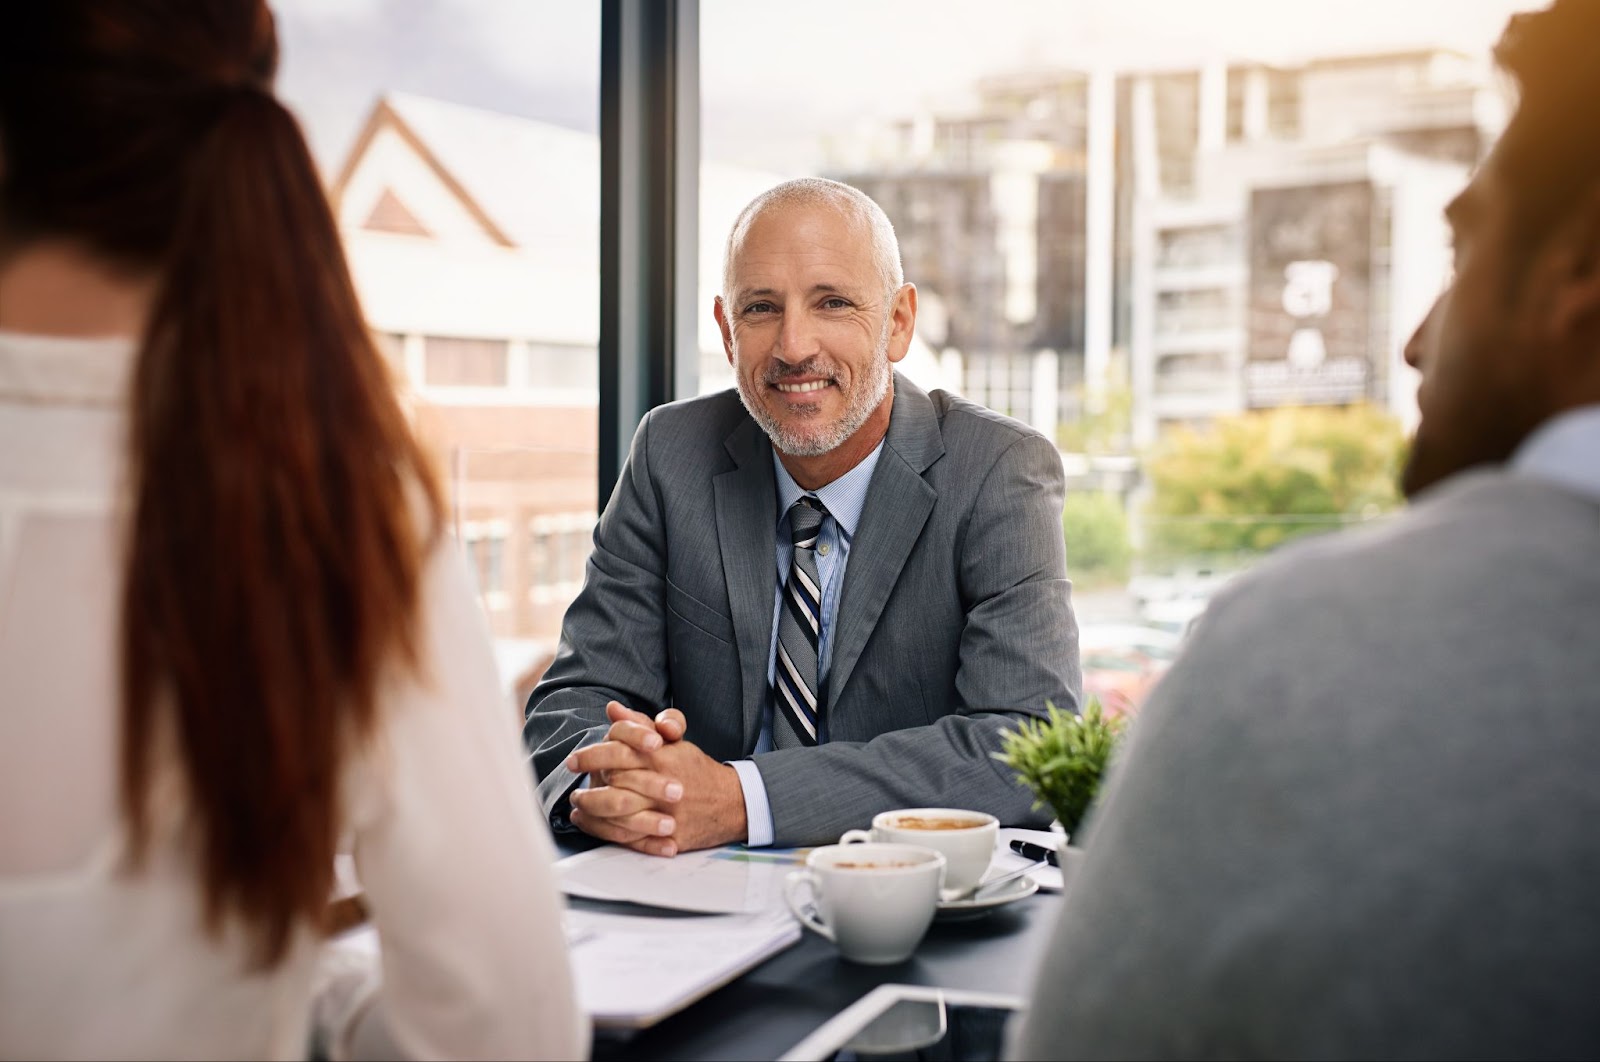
column 844, row 498
column 1564, row 450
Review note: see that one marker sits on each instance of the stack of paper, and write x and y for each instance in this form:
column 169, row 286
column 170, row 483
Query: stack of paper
column 722, row 912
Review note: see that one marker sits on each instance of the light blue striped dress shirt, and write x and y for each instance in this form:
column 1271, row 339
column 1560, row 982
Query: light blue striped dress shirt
column 844, row 499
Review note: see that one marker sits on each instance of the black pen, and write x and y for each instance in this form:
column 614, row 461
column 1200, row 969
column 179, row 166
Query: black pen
column 1036, row 852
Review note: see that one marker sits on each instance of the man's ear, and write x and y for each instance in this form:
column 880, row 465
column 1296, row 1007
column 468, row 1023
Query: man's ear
column 720, row 311
column 1574, row 304
column 904, row 316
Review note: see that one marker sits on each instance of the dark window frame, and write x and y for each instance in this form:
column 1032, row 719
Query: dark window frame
column 649, row 216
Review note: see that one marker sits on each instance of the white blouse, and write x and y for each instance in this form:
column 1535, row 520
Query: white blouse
column 454, row 859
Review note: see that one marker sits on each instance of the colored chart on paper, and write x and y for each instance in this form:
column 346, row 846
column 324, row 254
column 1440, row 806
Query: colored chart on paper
column 787, row 857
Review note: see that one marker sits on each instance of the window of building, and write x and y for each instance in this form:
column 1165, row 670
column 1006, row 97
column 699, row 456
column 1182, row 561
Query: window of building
column 1237, row 89
column 1177, row 130
column 485, row 543
column 552, row 365
column 559, row 545
column 1283, row 104
column 449, row 362
column 1179, row 374
column 1197, row 247
column 1195, row 310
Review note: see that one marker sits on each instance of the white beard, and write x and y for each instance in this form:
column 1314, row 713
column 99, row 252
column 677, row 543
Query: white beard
column 863, row 398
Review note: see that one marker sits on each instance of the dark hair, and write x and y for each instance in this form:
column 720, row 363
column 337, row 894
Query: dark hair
column 280, row 508
column 1549, row 154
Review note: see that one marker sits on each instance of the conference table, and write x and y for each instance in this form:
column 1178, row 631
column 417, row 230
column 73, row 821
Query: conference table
column 775, row 1005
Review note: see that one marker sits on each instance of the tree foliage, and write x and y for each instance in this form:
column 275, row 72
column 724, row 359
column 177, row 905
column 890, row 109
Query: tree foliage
column 1249, row 483
column 1096, row 531
column 1103, row 431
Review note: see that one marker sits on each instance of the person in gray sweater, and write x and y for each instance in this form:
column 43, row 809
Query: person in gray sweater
column 1360, row 816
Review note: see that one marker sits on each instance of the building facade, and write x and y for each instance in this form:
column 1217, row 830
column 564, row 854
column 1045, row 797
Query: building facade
column 1211, row 238
column 473, row 240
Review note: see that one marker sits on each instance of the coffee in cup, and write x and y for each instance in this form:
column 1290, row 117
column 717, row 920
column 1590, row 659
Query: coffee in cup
column 966, row 838
column 875, row 901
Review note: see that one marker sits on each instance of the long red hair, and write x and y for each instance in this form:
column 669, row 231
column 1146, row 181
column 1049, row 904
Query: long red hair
column 280, row 508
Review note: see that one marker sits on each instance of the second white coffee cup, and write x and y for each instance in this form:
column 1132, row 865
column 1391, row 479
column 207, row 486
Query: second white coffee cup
column 875, row 901
column 965, row 837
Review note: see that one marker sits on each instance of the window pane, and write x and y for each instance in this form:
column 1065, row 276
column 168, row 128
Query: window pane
column 1157, row 231
column 458, row 142
column 464, row 362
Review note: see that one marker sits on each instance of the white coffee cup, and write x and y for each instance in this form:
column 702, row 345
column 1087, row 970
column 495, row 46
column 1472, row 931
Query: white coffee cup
column 874, row 901
column 965, row 837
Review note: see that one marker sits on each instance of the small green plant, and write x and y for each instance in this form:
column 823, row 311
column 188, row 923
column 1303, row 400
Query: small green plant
column 1062, row 758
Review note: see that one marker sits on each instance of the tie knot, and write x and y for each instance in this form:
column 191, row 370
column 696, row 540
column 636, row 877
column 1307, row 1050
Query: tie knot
column 805, row 517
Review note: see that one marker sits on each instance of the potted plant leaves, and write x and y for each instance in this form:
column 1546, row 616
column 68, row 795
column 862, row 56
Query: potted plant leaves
column 1062, row 760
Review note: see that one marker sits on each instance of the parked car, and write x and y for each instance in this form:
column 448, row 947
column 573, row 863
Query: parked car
column 1174, row 615
column 1174, row 602
column 1122, row 661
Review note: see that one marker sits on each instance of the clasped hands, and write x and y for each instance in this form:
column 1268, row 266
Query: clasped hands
column 653, row 791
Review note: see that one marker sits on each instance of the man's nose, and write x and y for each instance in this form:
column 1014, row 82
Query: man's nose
column 798, row 339
column 1419, row 338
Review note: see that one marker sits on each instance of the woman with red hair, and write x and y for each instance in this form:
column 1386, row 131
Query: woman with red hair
column 234, row 640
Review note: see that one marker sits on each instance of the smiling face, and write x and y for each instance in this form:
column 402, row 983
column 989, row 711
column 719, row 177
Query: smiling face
column 811, row 335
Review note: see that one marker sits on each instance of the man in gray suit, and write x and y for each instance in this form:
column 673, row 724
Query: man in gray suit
column 817, row 598
column 1360, row 816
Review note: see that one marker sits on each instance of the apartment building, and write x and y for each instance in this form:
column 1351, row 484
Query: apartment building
column 1214, row 237
column 1288, row 238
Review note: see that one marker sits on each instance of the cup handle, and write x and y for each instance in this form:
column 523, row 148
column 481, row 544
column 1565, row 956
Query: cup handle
column 855, row 837
column 791, row 886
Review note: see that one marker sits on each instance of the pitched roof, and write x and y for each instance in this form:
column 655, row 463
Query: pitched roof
column 539, row 184
column 536, row 186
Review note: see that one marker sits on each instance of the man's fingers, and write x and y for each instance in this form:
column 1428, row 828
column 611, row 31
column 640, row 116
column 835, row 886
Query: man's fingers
column 647, row 823
column 641, row 737
column 618, row 712
column 604, row 829
column 653, row 785
column 671, row 724
column 623, row 810
column 610, row 802
column 606, row 756
column 607, row 830
column 665, row 847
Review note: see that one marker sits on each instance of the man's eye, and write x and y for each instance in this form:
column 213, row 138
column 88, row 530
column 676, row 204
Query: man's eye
column 759, row 308
column 835, row 303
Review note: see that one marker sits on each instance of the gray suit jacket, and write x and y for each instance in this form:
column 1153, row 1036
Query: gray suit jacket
column 1358, row 817
column 954, row 620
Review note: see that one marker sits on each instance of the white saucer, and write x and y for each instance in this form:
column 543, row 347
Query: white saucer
column 984, row 902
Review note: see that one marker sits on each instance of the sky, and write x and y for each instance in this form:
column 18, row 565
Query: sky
column 779, row 76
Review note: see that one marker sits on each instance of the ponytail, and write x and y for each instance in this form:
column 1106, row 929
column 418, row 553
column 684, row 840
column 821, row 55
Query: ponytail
column 280, row 514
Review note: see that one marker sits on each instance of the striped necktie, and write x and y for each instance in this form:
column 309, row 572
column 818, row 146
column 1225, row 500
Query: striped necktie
column 796, row 702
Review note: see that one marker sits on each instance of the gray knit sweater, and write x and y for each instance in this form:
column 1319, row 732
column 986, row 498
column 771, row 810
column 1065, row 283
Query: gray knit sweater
column 1360, row 817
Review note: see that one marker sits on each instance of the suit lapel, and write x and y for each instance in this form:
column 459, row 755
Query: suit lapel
column 747, row 534
column 898, row 503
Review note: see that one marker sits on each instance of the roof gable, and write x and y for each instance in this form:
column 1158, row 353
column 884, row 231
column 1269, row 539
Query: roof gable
column 389, row 214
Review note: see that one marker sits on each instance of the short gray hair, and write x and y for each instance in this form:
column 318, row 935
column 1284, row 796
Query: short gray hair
column 853, row 203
